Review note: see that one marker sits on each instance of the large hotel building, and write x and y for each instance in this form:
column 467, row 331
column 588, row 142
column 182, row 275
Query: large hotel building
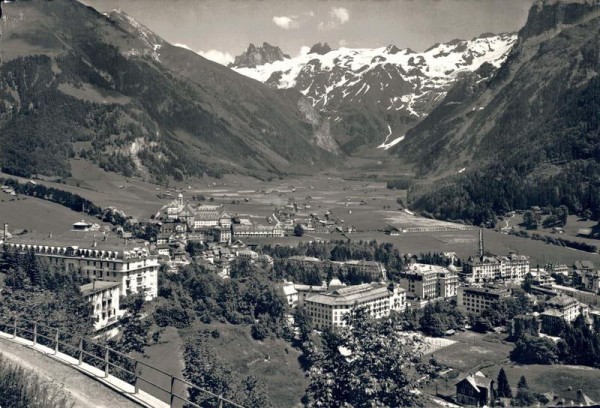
column 114, row 260
column 429, row 281
column 327, row 309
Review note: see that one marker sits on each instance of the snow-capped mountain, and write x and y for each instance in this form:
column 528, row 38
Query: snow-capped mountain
column 399, row 86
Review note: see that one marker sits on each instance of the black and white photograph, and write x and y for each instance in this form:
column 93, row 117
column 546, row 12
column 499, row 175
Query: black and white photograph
column 299, row 203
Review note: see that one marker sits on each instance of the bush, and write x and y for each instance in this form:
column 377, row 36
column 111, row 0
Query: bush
column 259, row 331
column 535, row 350
column 24, row 388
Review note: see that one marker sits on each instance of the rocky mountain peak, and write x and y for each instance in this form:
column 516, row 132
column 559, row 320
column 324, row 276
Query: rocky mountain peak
column 546, row 15
column 255, row 56
column 392, row 49
column 320, row 49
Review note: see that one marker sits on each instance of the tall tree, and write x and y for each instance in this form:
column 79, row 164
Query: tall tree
column 525, row 397
column 368, row 363
column 503, row 390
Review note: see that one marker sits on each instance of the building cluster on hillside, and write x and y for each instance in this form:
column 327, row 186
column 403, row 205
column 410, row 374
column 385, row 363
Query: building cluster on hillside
column 311, row 221
column 182, row 222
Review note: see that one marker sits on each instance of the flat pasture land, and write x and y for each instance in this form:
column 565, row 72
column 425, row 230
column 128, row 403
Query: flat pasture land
column 367, row 206
column 473, row 351
column 34, row 214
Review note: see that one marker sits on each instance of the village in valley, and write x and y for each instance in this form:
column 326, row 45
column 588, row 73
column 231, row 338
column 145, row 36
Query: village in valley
column 325, row 261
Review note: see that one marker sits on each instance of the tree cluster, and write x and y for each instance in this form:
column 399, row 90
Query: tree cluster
column 369, row 363
column 434, row 319
column 252, row 299
column 36, row 292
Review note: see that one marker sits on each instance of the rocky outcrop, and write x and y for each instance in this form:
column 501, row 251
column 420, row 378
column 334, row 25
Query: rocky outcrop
column 255, row 56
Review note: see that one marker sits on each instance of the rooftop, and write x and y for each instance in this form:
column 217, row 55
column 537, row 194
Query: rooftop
column 87, row 240
column 489, row 290
column 424, row 268
column 583, row 265
column 97, row 286
column 352, row 294
column 561, row 301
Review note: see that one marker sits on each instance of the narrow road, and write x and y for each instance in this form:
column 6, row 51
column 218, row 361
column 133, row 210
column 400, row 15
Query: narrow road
column 85, row 392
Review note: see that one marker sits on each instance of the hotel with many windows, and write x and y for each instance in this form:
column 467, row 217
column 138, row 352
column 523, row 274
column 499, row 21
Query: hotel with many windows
column 129, row 263
column 327, row 309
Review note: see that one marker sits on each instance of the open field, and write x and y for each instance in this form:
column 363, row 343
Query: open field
column 555, row 378
column 370, row 207
column 490, row 352
column 473, row 351
column 464, row 243
column 38, row 215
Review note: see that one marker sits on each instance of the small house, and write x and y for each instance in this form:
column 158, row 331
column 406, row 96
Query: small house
column 474, row 390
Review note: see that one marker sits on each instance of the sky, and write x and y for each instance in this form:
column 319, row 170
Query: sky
column 221, row 29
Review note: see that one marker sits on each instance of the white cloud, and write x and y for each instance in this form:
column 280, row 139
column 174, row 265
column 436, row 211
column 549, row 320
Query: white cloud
column 341, row 14
column 183, row 46
column 217, row 56
column 285, row 22
column 222, row 58
column 337, row 17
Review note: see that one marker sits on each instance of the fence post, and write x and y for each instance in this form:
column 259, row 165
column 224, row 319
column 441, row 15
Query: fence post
column 172, row 391
column 15, row 329
column 34, row 333
column 106, row 357
column 56, row 337
column 135, row 381
column 80, row 351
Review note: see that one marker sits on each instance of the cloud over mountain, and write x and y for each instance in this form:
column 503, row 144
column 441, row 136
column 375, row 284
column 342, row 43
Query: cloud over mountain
column 337, row 17
column 285, row 22
column 223, row 58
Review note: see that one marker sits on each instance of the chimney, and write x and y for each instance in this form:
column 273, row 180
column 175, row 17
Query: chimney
column 5, row 231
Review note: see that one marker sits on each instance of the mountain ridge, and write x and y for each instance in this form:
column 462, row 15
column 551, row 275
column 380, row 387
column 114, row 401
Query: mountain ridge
column 526, row 136
column 153, row 109
column 376, row 95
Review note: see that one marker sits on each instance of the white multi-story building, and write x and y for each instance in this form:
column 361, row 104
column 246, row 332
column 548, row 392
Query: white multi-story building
column 291, row 294
column 489, row 268
column 251, row 231
column 423, row 281
column 207, row 216
column 129, row 263
column 327, row 310
column 563, row 308
column 104, row 298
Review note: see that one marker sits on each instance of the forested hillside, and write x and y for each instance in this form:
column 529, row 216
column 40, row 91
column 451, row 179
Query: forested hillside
column 76, row 83
column 529, row 135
